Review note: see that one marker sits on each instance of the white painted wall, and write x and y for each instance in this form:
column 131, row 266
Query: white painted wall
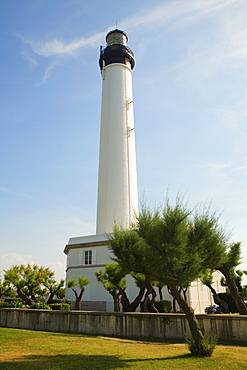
column 117, row 182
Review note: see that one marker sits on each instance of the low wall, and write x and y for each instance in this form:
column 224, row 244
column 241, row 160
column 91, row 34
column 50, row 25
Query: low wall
column 130, row 325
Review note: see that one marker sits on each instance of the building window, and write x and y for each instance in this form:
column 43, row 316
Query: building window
column 88, row 257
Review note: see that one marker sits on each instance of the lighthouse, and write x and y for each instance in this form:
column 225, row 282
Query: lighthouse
column 117, row 175
column 117, row 180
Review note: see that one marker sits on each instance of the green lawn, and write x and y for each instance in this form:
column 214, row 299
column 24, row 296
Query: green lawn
column 25, row 349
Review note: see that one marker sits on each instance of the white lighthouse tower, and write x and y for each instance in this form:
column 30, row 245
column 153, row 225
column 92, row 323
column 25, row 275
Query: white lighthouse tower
column 117, row 180
column 117, row 185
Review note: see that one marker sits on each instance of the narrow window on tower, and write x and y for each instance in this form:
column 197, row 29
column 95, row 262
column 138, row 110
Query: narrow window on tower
column 88, row 257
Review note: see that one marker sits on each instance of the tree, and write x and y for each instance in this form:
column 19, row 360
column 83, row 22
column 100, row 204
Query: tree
column 174, row 246
column 60, row 293
column 113, row 280
column 207, row 279
column 81, row 283
column 129, row 253
column 231, row 260
column 53, row 287
column 29, row 281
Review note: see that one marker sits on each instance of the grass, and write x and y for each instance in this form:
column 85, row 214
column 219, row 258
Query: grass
column 25, row 349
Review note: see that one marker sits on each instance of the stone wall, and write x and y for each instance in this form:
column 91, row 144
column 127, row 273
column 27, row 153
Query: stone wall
column 130, row 325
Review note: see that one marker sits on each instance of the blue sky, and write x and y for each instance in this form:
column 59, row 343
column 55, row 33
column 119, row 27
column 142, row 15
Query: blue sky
column 190, row 114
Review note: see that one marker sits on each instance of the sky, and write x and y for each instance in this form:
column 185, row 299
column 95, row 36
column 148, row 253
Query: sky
column 190, row 95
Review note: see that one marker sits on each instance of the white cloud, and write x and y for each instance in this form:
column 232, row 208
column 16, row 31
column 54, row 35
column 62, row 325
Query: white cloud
column 58, row 267
column 47, row 73
column 8, row 260
column 57, row 47
column 173, row 14
column 179, row 10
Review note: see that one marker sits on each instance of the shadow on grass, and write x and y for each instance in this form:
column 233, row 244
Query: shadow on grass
column 75, row 362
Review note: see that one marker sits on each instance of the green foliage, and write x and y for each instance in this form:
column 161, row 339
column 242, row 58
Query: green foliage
column 112, row 277
column 82, row 282
column 40, row 306
column 14, row 302
column 213, row 309
column 233, row 256
column 18, row 304
column 60, row 306
column 60, row 293
column 30, row 282
column 172, row 244
column 13, row 299
column 5, row 289
column 63, row 301
column 5, row 305
column 53, row 287
column 71, row 283
column 162, row 306
column 203, row 348
column 233, row 281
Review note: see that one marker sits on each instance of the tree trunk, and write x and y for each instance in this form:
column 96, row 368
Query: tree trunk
column 174, row 305
column 78, row 298
column 152, row 302
column 137, row 300
column 150, row 290
column 189, row 313
column 28, row 301
column 240, row 305
column 217, row 300
column 115, row 297
column 124, row 300
column 160, row 293
column 51, row 296
column 126, row 304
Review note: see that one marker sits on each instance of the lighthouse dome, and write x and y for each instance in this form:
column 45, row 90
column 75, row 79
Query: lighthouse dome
column 116, row 37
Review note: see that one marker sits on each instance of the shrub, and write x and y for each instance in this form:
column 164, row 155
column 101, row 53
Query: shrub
column 213, row 309
column 15, row 302
column 204, row 349
column 12, row 299
column 60, row 306
column 228, row 299
column 18, row 304
column 40, row 306
column 4, row 305
column 67, row 301
column 163, row 306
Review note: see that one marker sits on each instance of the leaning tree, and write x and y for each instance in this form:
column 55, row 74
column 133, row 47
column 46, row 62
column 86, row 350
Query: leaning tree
column 226, row 267
column 173, row 245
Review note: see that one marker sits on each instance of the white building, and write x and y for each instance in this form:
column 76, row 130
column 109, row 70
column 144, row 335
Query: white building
column 117, row 181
